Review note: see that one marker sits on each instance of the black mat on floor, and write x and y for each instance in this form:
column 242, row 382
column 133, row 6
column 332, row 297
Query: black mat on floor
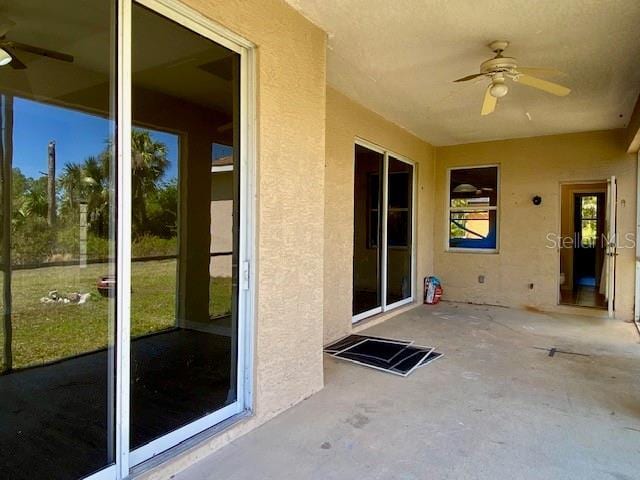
column 430, row 358
column 352, row 340
column 399, row 357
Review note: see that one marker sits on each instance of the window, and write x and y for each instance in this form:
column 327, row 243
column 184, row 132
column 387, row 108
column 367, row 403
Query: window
column 588, row 221
column 473, row 208
column 221, row 158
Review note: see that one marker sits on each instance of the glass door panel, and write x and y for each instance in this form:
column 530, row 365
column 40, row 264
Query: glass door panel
column 367, row 238
column 57, row 241
column 185, row 228
column 399, row 230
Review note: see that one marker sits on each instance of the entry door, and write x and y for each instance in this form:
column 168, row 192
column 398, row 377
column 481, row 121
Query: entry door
column 611, row 241
column 383, row 231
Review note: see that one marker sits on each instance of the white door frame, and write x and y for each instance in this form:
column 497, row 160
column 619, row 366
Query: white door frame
column 189, row 18
column 611, row 250
column 384, row 307
column 636, row 310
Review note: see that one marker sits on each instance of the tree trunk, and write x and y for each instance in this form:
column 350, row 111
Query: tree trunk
column 51, row 183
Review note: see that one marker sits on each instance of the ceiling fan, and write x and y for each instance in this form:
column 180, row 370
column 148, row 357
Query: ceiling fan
column 8, row 49
column 500, row 68
column 469, row 188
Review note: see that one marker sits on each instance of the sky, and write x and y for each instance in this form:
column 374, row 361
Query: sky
column 78, row 135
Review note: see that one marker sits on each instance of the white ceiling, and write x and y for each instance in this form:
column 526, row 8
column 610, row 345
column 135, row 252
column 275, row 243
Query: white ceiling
column 399, row 59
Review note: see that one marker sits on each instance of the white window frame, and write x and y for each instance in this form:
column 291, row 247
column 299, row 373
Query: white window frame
column 384, row 307
column 448, row 209
column 176, row 11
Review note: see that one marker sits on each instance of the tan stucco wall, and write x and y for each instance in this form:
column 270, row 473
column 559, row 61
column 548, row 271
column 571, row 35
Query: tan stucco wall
column 534, row 166
column 290, row 191
column 221, row 209
column 347, row 120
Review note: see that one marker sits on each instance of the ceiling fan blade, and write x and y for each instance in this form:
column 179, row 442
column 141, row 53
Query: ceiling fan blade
column 38, row 51
column 541, row 72
column 469, row 77
column 489, row 102
column 15, row 63
column 5, row 25
column 544, row 85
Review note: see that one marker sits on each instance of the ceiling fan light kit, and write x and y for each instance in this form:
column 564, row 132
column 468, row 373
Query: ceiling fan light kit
column 5, row 58
column 500, row 68
column 498, row 87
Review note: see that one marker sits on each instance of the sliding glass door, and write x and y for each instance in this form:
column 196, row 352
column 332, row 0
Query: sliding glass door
column 399, row 233
column 57, row 362
column 367, row 238
column 183, row 353
column 383, row 231
column 123, row 216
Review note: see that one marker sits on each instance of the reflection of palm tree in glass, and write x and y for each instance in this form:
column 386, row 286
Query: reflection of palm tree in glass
column 148, row 165
column 90, row 182
column 34, row 201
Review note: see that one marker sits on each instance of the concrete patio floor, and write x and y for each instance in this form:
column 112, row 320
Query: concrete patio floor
column 493, row 408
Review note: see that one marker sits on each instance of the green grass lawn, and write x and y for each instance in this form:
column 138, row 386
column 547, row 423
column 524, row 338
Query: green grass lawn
column 47, row 332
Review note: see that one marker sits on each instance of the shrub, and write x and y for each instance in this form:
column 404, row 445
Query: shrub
column 152, row 246
column 32, row 241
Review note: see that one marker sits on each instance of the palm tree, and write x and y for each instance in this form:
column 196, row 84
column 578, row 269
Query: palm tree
column 34, row 199
column 90, row 182
column 148, row 165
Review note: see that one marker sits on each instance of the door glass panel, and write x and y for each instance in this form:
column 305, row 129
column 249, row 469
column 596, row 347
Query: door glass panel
column 57, row 250
column 399, row 230
column 184, row 226
column 367, row 238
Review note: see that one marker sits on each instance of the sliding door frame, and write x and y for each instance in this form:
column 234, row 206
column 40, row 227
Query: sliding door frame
column 381, row 269
column 411, row 298
column 384, row 307
column 194, row 21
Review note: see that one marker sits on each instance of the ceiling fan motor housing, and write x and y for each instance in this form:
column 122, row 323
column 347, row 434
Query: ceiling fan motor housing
column 498, row 65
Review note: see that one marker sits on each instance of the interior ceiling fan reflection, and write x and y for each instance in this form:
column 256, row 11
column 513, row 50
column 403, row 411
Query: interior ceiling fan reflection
column 500, row 69
column 468, row 188
column 8, row 48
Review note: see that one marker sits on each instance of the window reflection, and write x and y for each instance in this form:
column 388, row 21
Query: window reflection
column 57, row 209
column 399, row 230
column 184, row 227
